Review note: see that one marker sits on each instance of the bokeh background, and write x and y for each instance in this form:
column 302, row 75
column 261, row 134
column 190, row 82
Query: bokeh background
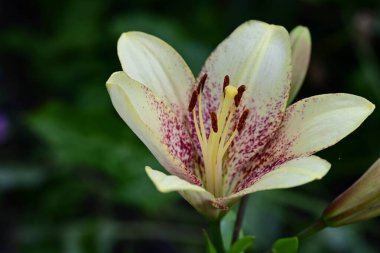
column 71, row 172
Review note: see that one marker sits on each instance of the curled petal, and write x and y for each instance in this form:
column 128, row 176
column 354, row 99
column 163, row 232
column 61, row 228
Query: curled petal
column 301, row 50
column 155, row 123
column 171, row 183
column 290, row 174
column 203, row 201
column 152, row 62
column 310, row 125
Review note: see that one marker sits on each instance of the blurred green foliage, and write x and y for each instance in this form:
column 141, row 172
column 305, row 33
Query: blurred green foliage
column 71, row 172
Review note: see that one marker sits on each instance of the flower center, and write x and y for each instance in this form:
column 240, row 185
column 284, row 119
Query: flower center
column 215, row 145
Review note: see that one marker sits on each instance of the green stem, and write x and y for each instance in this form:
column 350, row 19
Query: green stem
column 239, row 218
column 312, row 229
column 216, row 236
column 309, row 231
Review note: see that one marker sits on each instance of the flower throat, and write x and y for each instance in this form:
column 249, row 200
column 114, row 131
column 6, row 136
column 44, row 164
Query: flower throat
column 215, row 145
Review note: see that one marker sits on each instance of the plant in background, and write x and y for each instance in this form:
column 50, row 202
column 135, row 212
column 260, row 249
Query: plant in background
column 230, row 133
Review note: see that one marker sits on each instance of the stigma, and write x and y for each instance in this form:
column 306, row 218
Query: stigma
column 215, row 145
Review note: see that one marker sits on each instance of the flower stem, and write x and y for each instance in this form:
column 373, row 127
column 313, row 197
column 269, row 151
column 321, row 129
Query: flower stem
column 239, row 218
column 312, row 229
column 216, row 236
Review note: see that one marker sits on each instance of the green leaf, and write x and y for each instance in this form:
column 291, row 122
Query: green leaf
column 210, row 245
column 242, row 244
column 285, row 245
column 227, row 227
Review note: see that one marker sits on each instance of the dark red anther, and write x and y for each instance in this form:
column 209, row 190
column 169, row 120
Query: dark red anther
column 193, row 100
column 226, row 82
column 214, row 122
column 238, row 96
column 242, row 120
column 241, row 89
column 201, row 83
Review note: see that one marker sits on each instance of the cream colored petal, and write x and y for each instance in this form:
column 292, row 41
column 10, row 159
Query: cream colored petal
column 152, row 62
column 301, row 50
column 165, row 183
column 318, row 122
column 203, row 201
column 309, row 126
column 154, row 123
column 256, row 55
column 290, row 174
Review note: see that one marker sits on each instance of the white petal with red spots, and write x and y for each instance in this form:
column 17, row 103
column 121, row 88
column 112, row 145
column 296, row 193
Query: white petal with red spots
column 155, row 123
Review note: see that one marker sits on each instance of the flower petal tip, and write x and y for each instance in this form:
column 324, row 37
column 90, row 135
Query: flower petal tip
column 157, row 178
column 371, row 106
column 302, row 32
column 368, row 106
column 169, row 183
column 115, row 78
column 324, row 169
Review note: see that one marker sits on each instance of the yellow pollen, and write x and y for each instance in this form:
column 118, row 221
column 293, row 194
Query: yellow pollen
column 215, row 145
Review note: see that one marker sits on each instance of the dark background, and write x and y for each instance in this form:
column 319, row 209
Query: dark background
column 72, row 174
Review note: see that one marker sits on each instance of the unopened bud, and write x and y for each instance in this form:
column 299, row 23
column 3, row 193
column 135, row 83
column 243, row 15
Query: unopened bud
column 359, row 202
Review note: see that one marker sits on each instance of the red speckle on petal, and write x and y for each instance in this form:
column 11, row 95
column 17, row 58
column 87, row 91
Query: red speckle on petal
column 175, row 135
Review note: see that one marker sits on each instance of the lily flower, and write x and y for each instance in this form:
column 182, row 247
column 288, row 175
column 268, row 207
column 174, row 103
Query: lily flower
column 229, row 133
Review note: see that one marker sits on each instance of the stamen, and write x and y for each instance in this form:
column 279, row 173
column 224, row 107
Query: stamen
column 242, row 120
column 201, row 83
column 226, row 82
column 241, row 90
column 214, row 122
column 215, row 144
column 193, row 100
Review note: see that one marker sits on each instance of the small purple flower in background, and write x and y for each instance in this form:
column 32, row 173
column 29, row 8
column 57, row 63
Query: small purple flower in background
column 4, row 127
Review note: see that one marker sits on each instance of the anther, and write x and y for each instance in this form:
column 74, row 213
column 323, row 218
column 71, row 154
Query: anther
column 238, row 97
column 193, row 100
column 241, row 89
column 214, row 122
column 242, row 120
column 226, row 82
column 201, row 83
